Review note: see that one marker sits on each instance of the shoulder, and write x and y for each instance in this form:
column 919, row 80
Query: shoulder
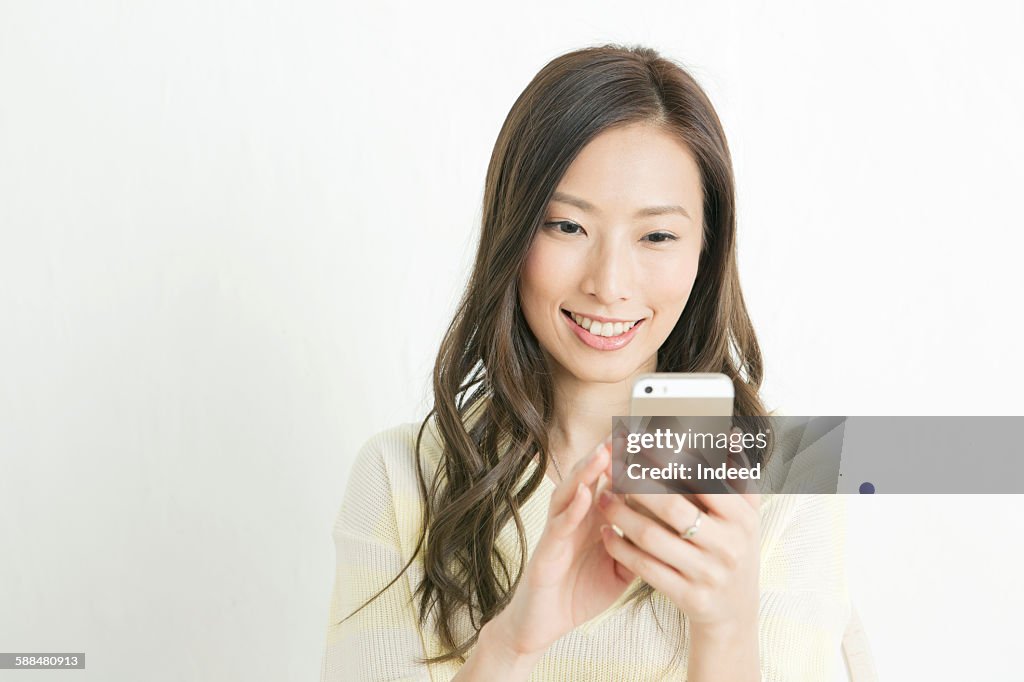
column 395, row 453
column 382, row 495
column 390, row 448
column 392, row 455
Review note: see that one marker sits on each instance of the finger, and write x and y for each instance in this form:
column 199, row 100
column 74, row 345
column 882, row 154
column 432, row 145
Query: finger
column 727, row 506
column 659, row 575
column 652, row 537
column 748, row 488
column 601, row 449
column 603, row 478
column 586, row 472
column 739, row 460
column 625, row 575
column 713, row 537
column 752, row 498
column 738, row 513
column 609, row 468
column 563, row 525
column 678, row 513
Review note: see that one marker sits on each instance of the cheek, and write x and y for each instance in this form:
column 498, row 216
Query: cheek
column 535, row 285
column 543, row 275
column 670, row 286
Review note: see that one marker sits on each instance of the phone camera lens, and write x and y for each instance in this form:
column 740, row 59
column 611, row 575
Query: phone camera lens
column 648, row 389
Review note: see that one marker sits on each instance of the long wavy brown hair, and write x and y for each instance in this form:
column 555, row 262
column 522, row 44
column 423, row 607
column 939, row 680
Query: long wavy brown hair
column 491, row 365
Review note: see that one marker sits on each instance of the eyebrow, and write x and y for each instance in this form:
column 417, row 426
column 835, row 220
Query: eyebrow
column 585, row 205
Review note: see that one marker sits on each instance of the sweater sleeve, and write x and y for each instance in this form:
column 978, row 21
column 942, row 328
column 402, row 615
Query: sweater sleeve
column 382, row 641
column 805, row 603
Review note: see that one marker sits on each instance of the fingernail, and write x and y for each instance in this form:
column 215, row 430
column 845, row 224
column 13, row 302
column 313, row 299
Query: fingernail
column 612, row 528
column 604, row 499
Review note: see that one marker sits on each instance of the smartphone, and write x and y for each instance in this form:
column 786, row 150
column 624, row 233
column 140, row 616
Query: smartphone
column 670, row 394
column 704, row 399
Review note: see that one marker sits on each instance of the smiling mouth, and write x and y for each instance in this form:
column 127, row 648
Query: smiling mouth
column 597, row 328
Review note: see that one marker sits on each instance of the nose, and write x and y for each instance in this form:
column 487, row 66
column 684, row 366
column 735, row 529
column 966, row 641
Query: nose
column 609, row 277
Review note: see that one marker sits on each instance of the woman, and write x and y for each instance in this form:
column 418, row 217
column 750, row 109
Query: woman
column 475, row 546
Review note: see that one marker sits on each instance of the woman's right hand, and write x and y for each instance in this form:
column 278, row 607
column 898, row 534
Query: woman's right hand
column 570, row 578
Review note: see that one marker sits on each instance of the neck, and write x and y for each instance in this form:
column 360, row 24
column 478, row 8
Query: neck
column 583, row 414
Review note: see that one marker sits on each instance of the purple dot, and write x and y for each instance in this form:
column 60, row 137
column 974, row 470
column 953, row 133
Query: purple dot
column 867, row 488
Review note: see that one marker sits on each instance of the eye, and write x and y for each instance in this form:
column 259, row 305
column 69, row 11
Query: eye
column 660, row 237
column 565, row 227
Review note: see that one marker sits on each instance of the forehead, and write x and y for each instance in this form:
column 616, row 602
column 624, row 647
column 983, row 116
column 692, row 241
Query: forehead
column 633, row 166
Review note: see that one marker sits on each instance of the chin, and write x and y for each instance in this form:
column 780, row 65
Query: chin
column 611, row 373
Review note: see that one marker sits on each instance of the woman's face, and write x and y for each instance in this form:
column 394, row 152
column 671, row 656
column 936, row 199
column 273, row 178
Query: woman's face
column 612, row 266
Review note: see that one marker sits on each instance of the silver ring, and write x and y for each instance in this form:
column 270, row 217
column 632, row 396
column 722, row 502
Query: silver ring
column 692, row 530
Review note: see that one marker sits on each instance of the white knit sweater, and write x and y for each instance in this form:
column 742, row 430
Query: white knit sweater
column 804, row 606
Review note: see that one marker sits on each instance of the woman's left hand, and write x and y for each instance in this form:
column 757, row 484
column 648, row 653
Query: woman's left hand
column 712, row 577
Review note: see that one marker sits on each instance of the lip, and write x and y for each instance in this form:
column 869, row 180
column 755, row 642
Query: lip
column 613, row 320
column 602, row 342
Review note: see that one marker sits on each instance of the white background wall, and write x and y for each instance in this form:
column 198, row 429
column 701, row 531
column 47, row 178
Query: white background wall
column 231, row 235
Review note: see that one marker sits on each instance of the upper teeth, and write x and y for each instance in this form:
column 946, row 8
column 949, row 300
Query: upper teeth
column 603, row 328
